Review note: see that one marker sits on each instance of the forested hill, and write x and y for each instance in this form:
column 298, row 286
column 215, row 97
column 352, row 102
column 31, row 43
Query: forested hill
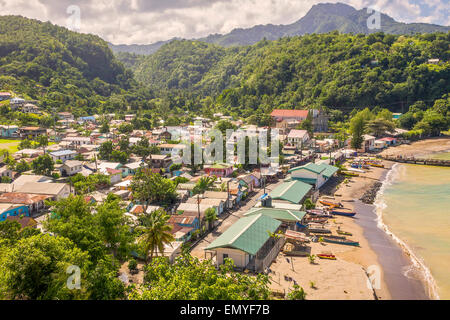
column 54, row 65
column 340, row 71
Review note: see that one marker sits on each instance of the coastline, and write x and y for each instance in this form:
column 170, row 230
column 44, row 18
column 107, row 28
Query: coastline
column 416, row 273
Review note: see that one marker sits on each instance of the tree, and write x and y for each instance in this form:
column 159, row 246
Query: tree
column 42, row 141
column 224, row 125
column 43, row 165
column 149, row 187
column 25, row 144
column 210, row 217
column 297, row 293
column 357, row 128
column 378, row 127
column 156, row 233
column 105, row 127
column 36, row 268
column 105, row 150
column 125, row 128
column 181, row 281
column 204, row 184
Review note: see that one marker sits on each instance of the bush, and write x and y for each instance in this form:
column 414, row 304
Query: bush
column 132, row 265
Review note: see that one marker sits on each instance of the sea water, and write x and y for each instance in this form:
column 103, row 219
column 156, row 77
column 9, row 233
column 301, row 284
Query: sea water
column 414, row 207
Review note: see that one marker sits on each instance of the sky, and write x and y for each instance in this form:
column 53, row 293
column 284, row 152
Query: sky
column 149, row 21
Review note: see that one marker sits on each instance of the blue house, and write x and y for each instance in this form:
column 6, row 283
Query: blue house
column 9, row 131
column 12, row 210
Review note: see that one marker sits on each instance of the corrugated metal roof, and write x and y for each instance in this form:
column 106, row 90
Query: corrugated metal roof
column 293, row 191
column 248, row 234
column 278, row 214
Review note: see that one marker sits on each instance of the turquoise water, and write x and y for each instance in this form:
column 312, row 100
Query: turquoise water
column 415, row 206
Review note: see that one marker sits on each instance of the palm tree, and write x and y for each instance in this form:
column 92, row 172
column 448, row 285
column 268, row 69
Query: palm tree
column 204, row 184
column 156, row 233
column 210, row 216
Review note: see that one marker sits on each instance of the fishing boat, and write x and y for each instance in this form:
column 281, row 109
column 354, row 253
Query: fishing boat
column 346, row 242
column 317, row 219
column 319, row 213
column 343, row 213
column 356, row 170
column 317, row 228
column 328, row 256
column 378, row 165
column 331, row 204
column 344, row 233
column 349, row 174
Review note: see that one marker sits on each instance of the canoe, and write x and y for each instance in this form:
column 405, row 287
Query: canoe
column 319, row 213
column 331, row 204
column 346, row 242
column 344, row 233
column 319, row 230
column 343, row 213
column 327, row 256
column 376, row 165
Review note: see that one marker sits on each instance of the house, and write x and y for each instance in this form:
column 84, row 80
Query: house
column 171, row 149
column 185, row 222
column 24, row 221
column 217, row 204
column 6, row 172
column 390, row 141
column 132, row 168
column 129, row 117
column 71, row 167
column 5, row 96
column 54, row 190
column 33, row 202
column 11, row 209
column 368, row 143
column 293, row 191
column 78, row 141
column 160, row 161
column 86, row 119
column 224, row 196
column 280, row 115
column 63, row 155
column 9, row 131
column 319, row 120
column 65, row 116
column 298, row 138
column 29, row 178
column 314, row 174
column 380, row 144
column 30, row 108
column 115, row 176
column 219, row 170
column 31, row 133
column 248, row 243
column 194, row 209
column 286, row 216
column 16, row 103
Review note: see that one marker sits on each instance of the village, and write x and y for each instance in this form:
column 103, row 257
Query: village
column 222, row 210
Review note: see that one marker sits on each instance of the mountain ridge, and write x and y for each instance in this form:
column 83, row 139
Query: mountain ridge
column 321, row 18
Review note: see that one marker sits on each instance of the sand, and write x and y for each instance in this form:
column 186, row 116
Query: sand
column 346, row 277
column 419, row 148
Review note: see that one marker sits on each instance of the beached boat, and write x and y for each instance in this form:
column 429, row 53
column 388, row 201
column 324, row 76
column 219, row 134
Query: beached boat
column 343, row 213
column 378, row 165
column 331, row 204
column 317, row 219
column 344, row 233
column 349, row 174
column 317, row 228
column 356, row 170
column 327, row 256
column 319, row 213
column 336, row 240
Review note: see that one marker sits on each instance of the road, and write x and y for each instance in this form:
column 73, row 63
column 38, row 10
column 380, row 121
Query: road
column 230, row 218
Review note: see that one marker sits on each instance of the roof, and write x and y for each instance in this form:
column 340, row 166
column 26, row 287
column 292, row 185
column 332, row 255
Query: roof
column 41, row 188
column 323, row 169
column 329, row 170
column 182, row 219
column 215, row 195
column 24, row 221
column 278, row 214
column 73, row 163
column 62, row 153
column 293, row 191
column 22, row 198
column 248, row 234
column 284, row 113
column 297, row 133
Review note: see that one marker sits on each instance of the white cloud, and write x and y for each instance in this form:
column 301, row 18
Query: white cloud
column 148, row 21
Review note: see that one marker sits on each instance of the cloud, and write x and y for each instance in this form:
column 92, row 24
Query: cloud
column 148, row 21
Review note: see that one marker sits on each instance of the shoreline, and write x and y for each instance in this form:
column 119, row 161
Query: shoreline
column 425, row 276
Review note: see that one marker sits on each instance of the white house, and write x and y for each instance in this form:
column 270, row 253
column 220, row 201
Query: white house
column 298, row 137
column 71, row 167
column 63, row 155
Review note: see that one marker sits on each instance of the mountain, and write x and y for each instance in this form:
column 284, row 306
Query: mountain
column 59, row 67
column 321, row 18
column 139, row 49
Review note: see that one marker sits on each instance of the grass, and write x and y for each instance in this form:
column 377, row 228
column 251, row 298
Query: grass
column 10, row 145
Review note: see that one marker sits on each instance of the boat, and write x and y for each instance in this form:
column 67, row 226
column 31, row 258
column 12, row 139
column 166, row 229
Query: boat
column 331, row 204
column 344, row 233
column 356, row 170
column 378, row 165
column 346, row 242
column 317, row 219
column 317, row 228
column 328, row 256
column 349, row 174
column 343, row 213
column 319, row 213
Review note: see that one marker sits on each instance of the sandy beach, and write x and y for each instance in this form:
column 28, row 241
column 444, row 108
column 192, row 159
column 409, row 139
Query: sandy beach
column 345, row 278
column 420, row 148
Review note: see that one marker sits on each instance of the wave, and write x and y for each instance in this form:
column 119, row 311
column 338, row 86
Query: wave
column 417, row 263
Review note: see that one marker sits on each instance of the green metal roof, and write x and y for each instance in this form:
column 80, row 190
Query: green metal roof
column 278, row 214
column 293, row 191
column 310, row 167
column 248, row 234
column 329, row 170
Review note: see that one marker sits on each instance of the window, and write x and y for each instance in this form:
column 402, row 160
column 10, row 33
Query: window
column 225, row 256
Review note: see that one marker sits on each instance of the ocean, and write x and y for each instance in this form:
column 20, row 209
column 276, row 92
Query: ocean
column 414, row 207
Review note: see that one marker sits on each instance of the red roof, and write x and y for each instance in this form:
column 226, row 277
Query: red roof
column 283, row 113
column 388, row 139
